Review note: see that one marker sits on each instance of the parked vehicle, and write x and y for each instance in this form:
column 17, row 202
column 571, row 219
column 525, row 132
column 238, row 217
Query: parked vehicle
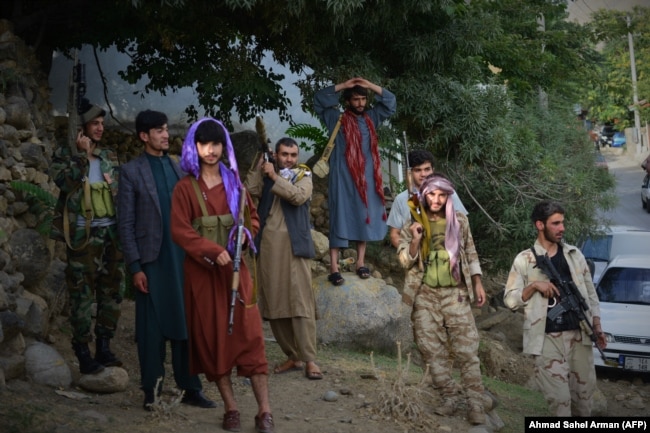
column 624, row 294
column 605, row 136
column 618, row 139
column 645, row 193
column 601, row 247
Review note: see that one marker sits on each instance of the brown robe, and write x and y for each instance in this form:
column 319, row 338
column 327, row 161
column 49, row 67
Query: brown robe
column 207, row 292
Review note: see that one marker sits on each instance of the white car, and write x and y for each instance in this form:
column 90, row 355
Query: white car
column 624, row 294
column 645, row 193
column 600, row 248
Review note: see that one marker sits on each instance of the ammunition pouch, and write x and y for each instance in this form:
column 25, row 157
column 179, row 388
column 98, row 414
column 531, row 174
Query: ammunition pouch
column 101, row 200
column 437, row 272
column 214, row 227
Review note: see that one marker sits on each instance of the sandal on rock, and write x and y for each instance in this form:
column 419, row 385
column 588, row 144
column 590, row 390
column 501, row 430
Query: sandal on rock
column 335, row 278
column 363, row 272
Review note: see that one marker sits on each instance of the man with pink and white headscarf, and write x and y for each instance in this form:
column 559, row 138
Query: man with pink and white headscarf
column 443, row 279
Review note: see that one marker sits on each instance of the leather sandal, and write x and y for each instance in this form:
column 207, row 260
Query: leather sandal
column 335, row 278
column 363, row 272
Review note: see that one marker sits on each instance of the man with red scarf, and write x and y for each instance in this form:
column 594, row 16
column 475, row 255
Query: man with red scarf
column 355, row 194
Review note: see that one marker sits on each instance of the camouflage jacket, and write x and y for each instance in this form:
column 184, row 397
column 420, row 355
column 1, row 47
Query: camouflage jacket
column 469, row 262
column 69, row 169
column 525, row 272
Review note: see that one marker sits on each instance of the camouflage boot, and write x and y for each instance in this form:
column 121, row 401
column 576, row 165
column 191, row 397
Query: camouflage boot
column 448, row 406
column 475, row 412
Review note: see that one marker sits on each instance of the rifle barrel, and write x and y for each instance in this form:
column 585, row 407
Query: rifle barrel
column 234, row 292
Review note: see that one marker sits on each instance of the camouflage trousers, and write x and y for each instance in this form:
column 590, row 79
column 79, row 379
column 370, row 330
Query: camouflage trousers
column 565, row 374
column 95, row 274
column 443, row 325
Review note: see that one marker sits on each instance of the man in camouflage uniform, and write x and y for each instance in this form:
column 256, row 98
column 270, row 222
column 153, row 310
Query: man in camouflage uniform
column 443, row 279
column 564, row 363
column 87, row 177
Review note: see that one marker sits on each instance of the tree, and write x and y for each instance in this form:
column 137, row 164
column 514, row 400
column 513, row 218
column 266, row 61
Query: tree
column 438, row 56
column 609, row 97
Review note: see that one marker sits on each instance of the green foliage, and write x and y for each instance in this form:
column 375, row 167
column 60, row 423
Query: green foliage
column 526, row 155
column 317, row 137
column 41, row 203
column 609, row 96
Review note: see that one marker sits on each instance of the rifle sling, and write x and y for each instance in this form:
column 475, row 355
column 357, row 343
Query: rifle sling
column 88, row 217
column 330, row 144
column 247, row 223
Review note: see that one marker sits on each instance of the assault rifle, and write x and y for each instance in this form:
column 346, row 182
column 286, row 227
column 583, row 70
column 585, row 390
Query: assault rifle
column 236, row 261
column 265, row 148
column 409, row 176
column 570, row 300
column 76, row 91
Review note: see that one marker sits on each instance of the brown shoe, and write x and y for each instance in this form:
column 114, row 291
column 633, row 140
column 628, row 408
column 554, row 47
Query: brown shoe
column 447, row 408
column 231, row 421
column 476, row 415
column 264, row 423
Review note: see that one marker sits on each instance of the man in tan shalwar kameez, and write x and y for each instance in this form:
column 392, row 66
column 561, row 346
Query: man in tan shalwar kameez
column 286, row 249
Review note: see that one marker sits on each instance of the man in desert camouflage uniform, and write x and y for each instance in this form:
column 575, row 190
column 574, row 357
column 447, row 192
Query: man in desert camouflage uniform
column 87, row 177
column 443, row 279
column 564, row 362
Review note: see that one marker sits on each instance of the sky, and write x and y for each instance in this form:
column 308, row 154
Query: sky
column 581, row 10
column 125, row 105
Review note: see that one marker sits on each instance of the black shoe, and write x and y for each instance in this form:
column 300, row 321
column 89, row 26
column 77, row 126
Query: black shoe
column 149, row 400
column 198, row 399
column 103, row 354
column 87, row 365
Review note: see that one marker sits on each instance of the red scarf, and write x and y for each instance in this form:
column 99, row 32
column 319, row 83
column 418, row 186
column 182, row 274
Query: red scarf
column 357, row 162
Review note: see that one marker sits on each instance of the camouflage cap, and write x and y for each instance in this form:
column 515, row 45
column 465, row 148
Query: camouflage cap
column 89, row 112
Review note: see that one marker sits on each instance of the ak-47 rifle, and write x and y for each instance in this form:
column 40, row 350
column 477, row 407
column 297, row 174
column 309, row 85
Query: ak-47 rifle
column 76, row 91
column 409, row 176
column 265, row 143
column 570, row 300
column 412, row 195
column 234, row 292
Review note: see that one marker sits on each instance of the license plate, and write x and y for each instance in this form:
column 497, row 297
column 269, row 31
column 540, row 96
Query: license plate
column 637, row 364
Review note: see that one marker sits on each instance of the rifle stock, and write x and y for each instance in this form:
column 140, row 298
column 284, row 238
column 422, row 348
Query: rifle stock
column 234, row 292
column 264, row 142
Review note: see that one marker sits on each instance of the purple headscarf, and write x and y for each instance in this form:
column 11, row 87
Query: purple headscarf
column 231, row 180
column 452, row 232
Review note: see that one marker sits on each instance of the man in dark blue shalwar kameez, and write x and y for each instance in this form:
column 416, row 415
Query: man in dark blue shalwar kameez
column 155, row 262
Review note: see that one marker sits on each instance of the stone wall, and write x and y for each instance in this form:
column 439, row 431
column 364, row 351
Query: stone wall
column 32, row 291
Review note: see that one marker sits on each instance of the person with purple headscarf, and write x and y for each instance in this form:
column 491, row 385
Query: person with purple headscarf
column 443, row 279
column 209, row 159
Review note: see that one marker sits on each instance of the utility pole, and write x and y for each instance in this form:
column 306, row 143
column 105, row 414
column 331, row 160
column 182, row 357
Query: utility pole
column 543, row 96
column 635, row 95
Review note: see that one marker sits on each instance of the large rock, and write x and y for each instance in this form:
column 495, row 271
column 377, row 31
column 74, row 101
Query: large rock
column 110, row 380
column 362, row 314
column 44, row 365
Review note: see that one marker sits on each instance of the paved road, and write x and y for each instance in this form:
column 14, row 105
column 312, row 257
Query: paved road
column 629, row 176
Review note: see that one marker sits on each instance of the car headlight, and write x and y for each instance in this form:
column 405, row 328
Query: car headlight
column 609, row 338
